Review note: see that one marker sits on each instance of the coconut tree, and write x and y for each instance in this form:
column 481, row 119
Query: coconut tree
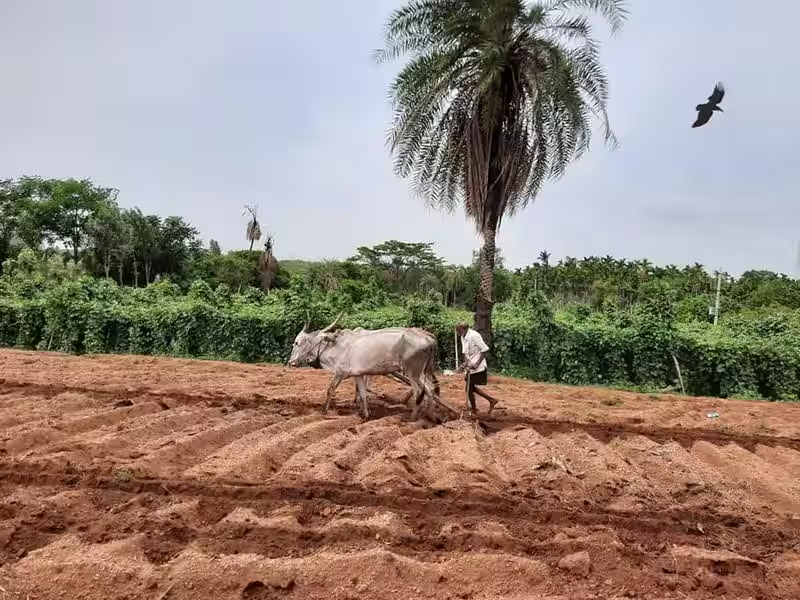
column 497, row 97
column 544, row 258
column 253, row 233
column 267, row 266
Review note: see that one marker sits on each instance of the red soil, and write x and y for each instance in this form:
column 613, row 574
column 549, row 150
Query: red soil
column 144, row 478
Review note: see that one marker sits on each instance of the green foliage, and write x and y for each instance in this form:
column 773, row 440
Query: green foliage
column 403, row 265
column 10, row 240
column 61, row 209
column 28, row 274
column 753, row 355
column 47, row 215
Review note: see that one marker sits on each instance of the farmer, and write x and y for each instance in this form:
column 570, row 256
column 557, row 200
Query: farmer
column 474, row 349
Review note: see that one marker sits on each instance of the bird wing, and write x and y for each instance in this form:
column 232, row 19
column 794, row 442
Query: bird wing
column 702, row 118
column 717, row 95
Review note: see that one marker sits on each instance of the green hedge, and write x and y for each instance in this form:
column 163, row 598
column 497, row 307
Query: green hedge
column 529, row 341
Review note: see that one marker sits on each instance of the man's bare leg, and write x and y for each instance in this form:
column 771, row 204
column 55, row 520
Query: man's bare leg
column 486, row 396
column 470, row 396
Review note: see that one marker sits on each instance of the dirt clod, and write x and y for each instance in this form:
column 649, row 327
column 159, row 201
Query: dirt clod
column 255, row 590
column 279, row 581
column 577, row 563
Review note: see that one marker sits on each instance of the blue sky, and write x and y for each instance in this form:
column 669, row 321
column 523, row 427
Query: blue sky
column 197, row 108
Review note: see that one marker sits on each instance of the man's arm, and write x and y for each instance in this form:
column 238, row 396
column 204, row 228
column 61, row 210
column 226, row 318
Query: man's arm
column 482, row 347
column 462, row 364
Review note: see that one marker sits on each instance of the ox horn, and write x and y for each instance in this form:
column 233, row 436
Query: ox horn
column 308, row 321
column 334, row 324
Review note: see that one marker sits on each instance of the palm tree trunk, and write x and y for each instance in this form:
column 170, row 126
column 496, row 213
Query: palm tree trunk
column 485, row 301
column 251, row 245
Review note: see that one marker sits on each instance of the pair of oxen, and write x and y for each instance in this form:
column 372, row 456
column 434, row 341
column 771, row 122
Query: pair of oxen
column 405, row 353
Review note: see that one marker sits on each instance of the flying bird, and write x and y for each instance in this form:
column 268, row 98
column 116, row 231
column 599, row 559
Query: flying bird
column 704, row 111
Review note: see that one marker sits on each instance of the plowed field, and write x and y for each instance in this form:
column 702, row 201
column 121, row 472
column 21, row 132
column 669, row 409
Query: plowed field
column 165, row 479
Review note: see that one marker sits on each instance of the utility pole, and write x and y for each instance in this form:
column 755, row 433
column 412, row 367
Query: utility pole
column 716, row 302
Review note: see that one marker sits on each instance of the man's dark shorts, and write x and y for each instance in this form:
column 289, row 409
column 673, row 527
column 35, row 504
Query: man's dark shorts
column 479, row 378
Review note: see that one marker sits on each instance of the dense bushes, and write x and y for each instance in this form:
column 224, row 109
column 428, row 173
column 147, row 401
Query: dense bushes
column 619, row 322
column 759, row 357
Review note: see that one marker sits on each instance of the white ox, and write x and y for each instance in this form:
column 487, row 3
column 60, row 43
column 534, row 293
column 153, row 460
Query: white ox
column 362, row 353
column 426, row 339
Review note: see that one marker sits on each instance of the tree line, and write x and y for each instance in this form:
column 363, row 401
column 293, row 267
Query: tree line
column 81, row 223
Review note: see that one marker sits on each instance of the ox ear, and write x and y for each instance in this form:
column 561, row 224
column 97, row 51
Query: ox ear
column 334, row 324
column 308, row 322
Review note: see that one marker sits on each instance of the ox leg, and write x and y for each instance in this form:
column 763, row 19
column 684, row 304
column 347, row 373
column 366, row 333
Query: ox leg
column 435, row 393
column 430, row 394
column 337, row 379
column 361, row 387
column 418, row 394
column 369, row 390
column 416, row 371
column 401, row 378
column 428, row 387
column 436, row 387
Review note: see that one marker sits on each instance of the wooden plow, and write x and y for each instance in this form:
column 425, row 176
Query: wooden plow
column 397, row 376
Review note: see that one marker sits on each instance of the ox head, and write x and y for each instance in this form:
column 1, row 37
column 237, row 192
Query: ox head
column 307, row 344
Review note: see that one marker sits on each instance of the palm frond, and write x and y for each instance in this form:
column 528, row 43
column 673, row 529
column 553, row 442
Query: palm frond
column 253, row 232
column 615, row 12
column 495, row 99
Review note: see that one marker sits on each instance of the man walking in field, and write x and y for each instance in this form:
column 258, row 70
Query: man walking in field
column 474, row 349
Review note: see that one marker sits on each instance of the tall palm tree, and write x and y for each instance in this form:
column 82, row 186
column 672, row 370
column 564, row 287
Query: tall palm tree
column 267, row 266
column 544, row 258
column 496, row 98
column 253, row 233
